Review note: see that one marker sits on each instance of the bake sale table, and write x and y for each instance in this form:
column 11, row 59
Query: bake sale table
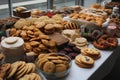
column 100, row 69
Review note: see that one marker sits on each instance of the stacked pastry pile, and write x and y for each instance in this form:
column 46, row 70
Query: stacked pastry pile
column 84, row 61
column 87, row 57
column 99, row 20
column 81, row 42
column 17, row 70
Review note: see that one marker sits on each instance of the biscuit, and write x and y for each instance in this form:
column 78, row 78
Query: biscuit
column 13, row 70
column 3, row 69
column 84, row 61
column 49, row 67
column 91, row 52
column 39, row 24
column 21, row 72
column 60, row 67
column 30, row 68
column 57, row 61
column 11, row 40
column 41, row 56
column 49, row 27
column 41, row 62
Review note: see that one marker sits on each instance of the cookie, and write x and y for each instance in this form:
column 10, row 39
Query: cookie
column 13, row 70
column 3, row 69
column 41, row 56
column 21, row 72
column 81, row 42
column 84, row 61
column 57, row 61
column 91, row 52
column 49, row 27
column 49, row 67
column 60, row 67
column 39, row 24
column 41, row 62
column 11, row 40
column 30, row 68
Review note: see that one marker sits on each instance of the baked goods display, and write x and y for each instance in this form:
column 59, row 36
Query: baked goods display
column 110, row 5
column 91, row 52
column 98, row 6
column 50, row 41
column 53, row 65
column 99, row 20
column 106, row 42
column 84, row 61
column 94, row 11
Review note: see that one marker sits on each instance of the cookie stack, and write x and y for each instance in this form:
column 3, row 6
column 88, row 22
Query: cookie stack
column 84, row 61
column 81, row 42
column 91, row 52
column 17, row 70
column 53, row 65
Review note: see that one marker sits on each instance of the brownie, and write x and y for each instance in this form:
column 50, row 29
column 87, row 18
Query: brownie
column 60, row 40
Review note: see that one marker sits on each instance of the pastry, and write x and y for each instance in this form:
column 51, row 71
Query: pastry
column 81, row 42
column 106, row 42
column 58, row 27
column 84, row 61
column 59, row 39
column 70, row 25
column 91, row 52
column 71, row 34
column 21, row 12
column 49, row 29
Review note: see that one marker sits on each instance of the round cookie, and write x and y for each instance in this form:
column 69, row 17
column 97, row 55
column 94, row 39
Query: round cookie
column 41, row 62
column 11, row 40
column 60, row 67
column 49, row 67
column 91, row 52
column 84, row 61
